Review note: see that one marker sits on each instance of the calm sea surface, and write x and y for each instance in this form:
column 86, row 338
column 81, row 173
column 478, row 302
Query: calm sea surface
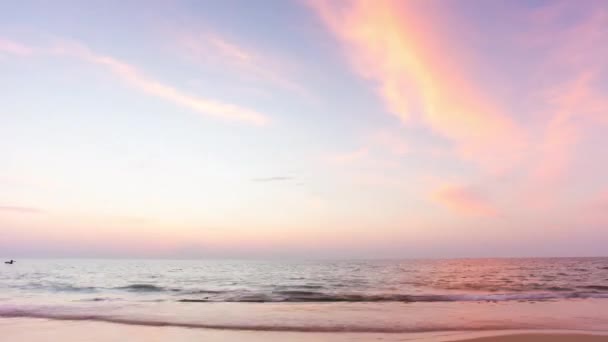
column 357, row 296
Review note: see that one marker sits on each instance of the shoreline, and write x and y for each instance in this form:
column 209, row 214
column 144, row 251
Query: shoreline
column 538, row 337
column 40, row 329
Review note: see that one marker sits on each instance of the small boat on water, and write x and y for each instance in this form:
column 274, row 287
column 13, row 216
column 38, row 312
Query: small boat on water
column 10, row 262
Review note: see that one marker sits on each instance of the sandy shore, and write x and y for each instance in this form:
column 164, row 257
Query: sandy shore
column 42, row 330
column 540, row 338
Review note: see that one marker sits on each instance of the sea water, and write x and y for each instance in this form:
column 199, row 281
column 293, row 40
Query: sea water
column 381, row 296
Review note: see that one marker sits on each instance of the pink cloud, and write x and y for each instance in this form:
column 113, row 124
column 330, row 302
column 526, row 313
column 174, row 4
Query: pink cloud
column 464, row 200
column 400, row 47
column 14, row 48
column 402, row 50
column 232, row 51
column 562, row 133
column 592, row 212
column 574, row 103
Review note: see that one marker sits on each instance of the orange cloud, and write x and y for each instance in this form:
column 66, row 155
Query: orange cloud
column 398, row 47
column 464, row 200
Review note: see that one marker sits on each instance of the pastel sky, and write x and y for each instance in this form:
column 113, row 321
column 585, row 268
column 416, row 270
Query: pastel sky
column 313, row 128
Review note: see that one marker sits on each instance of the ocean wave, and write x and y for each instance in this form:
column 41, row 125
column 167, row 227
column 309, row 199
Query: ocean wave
column 58, row 287
column 317, row 297
column 203, row 291
column 301, row 286
column 99, row 299
column 54, row 315
column 302, row 294
column 596, row 287
column 142, row 288
column 506, row 286
column 72, row 288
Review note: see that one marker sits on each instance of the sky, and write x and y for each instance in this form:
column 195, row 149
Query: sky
column 303, row 129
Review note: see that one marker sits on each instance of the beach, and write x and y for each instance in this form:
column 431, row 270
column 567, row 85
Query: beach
column 541, row 338
column 39, row 330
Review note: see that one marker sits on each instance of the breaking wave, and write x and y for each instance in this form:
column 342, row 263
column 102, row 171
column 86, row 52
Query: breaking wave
column 142, row 288
column 316, row 297
column 54, row 315
column 302, row 294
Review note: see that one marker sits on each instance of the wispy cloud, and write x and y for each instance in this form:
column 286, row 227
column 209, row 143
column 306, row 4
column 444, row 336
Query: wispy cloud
column 568, row 95
column 274, row 179
column 380, row 144
column 19, row 210
column 393, row 143
column 138, row 80
column 131, row 75
column 399, row 49
column 594, row 212
column 14, row 48
column 420, row 73
column 231, row 50
column 212, row 47
column 464, row 200
column 354, row 156
column 576, row 59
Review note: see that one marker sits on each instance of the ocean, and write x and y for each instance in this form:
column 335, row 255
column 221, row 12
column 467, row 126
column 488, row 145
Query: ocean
column 383, row 296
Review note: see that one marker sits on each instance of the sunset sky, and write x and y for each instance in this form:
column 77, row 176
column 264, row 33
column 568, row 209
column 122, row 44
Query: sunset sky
column 277, row 128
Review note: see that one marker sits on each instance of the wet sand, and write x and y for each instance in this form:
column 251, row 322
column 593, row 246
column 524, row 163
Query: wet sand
column 42, row 330
column 541, row 338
